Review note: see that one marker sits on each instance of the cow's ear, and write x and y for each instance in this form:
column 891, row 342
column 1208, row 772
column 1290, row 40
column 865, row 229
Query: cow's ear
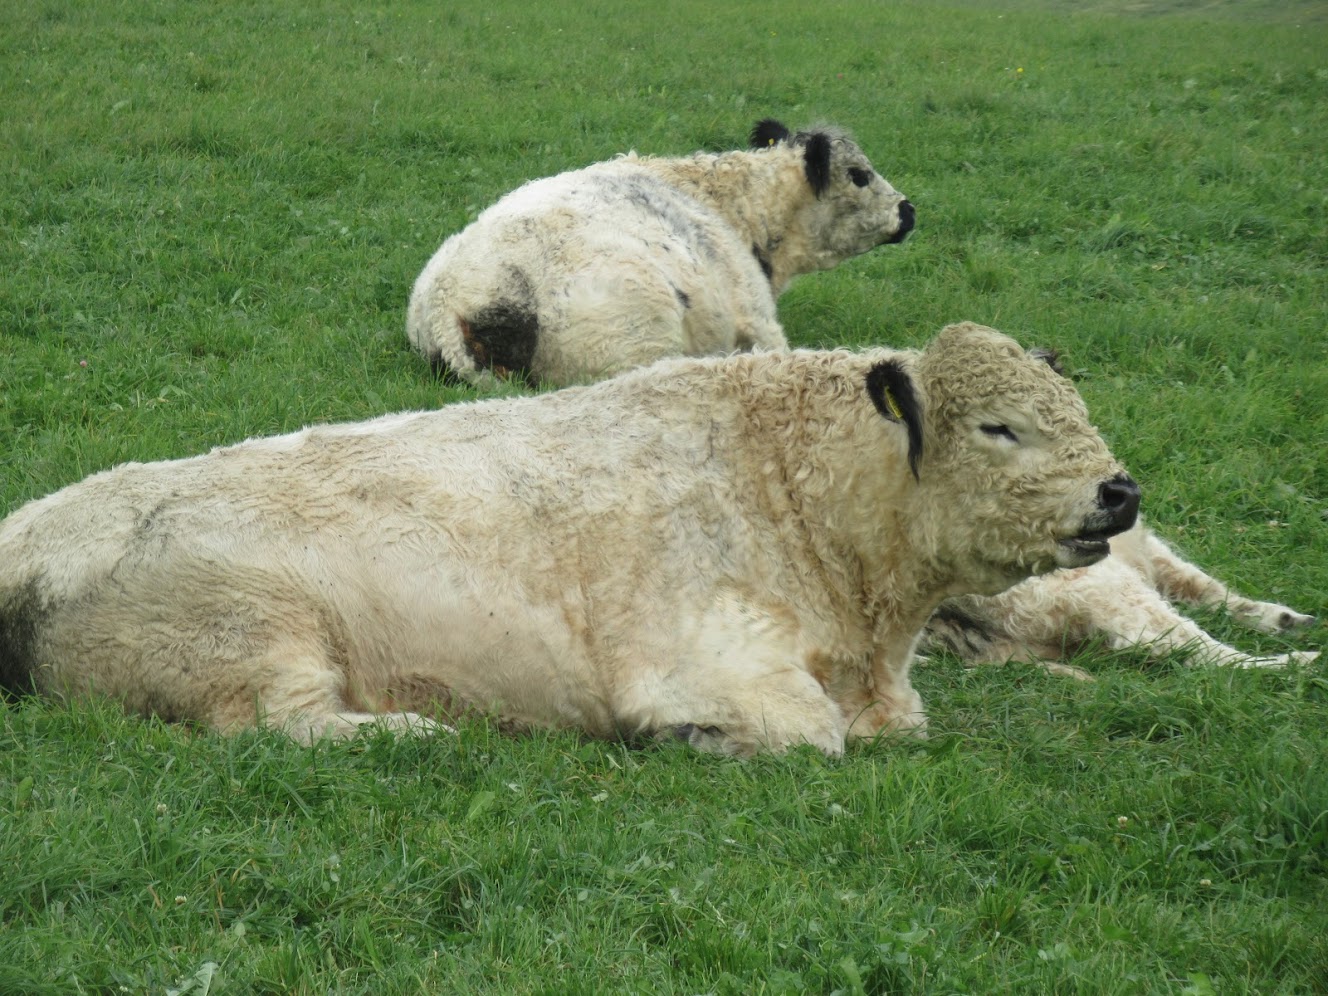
column 1050, row 356
column 768, row 132
column 816, row 162
column 891, row 391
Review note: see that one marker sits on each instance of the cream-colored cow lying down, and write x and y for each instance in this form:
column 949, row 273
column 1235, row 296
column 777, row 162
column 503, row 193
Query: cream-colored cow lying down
column 1122, row 601
column 739, row 550
column 574, row 277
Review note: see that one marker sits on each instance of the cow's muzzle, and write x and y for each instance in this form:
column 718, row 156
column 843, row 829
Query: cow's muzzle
column 906, row 218
column 1117, row 511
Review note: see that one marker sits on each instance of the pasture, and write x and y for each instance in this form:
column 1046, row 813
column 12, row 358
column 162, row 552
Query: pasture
column 210, row 219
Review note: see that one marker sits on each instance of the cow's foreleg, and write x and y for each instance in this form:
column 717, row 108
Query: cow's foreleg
column 739, row 685
column 883, row 701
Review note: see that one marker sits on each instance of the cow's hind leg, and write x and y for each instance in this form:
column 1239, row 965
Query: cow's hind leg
column 296, row 683
column 227, row 646
column 296, row 686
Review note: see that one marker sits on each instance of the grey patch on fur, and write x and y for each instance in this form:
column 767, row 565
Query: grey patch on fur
column 659, row 200
column 150, row 520
column 153, row 528
column 683, row 297
column 1293, row 620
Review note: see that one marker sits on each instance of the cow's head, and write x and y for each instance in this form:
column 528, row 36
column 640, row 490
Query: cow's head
column 1011, row 478
column 852, row 208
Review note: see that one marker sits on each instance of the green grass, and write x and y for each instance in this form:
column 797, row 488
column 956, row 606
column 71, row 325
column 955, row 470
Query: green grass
column 210, row 217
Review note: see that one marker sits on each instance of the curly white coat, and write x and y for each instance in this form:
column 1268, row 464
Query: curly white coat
column 736, row 549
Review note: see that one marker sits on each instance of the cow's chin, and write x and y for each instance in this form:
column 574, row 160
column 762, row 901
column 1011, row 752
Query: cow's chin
column 992, row 578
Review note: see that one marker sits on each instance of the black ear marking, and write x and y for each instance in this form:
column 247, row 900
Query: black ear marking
column 1051, row 357
column 768, row 132
column 891, row 391
column 816, row 162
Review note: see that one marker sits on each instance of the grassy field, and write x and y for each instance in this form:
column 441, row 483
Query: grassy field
column 210, row 218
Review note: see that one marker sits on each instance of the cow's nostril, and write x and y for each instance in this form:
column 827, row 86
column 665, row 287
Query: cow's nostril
column 1120, row 497
column 906, row 217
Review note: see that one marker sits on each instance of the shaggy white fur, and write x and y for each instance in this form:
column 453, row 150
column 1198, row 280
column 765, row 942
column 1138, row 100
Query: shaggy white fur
column 739, row 550
column 578, row 276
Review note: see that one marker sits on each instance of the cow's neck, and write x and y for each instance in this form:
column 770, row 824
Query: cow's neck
column 858, row 522
column 759, row 195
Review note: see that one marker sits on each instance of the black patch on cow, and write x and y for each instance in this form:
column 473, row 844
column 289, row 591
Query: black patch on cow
column 501, row 337
column 1051, row 357
column 768, row 132
column 952, row 629
column 816, row 162
column 683, row 297
column 891, row 391
column 764, row 262
column 22, row 615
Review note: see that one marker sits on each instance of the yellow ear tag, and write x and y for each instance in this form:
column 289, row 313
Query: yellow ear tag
column 893, row 405
column 770, row 142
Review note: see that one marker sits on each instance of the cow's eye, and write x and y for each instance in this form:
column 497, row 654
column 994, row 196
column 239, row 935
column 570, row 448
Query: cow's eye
column 999, row 432
column 859, row 176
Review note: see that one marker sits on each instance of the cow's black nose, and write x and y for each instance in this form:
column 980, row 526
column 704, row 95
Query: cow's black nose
column 1119, row 497
column 906, row 219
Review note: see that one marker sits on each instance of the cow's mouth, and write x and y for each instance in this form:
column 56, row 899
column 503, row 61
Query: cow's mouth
column 1085, row 548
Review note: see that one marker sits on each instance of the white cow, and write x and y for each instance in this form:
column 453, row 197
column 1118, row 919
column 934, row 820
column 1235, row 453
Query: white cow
column 578, row 276
column 742, row 550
